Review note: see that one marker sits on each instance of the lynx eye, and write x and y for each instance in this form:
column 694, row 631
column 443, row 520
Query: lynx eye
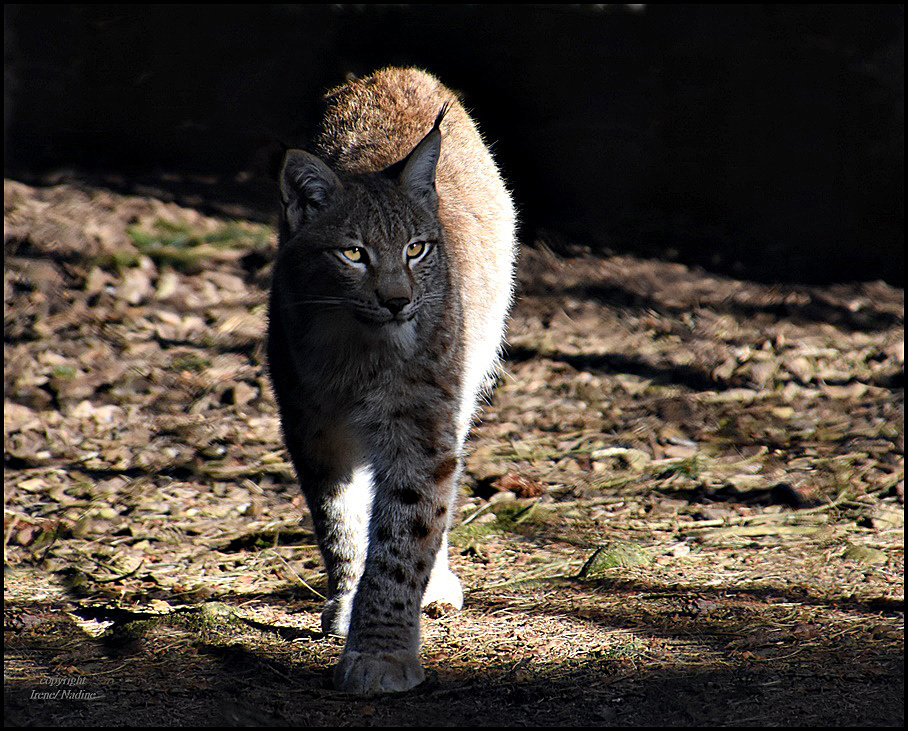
column 416, row 250
column 355, row 254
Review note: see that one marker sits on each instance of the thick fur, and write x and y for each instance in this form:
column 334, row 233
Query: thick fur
column 391, row 288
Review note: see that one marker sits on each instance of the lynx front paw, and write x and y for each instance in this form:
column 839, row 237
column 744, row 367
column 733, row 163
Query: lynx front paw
column 370, row 673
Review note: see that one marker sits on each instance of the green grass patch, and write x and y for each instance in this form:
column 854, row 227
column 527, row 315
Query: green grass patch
column 615, row 555
column 189, row 362
column 186, row 248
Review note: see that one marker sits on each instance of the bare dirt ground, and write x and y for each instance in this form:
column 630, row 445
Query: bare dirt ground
column 683, row 505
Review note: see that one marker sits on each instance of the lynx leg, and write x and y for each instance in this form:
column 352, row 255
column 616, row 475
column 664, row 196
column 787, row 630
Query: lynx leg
column 325, row 455
column 407, row 527
column 343, row 541
column 339, row 496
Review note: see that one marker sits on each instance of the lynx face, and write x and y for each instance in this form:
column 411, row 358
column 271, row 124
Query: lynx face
column 365, row 249
column 376, row 252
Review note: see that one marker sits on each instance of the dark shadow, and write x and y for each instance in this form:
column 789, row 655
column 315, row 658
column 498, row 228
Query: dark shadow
column 122, row 617
column 818, row 309
column 253, row 198
column 779, row 494
column 853, row 306
column 784, row 303
column 182, row 679
column 682, row 375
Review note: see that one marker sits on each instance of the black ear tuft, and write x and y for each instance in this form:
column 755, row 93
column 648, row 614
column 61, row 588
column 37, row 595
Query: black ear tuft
column 307, row 185
column 441, row 115
column 417, row 175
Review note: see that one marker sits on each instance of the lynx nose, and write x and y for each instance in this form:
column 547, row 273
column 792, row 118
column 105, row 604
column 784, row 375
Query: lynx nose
column 395, row 304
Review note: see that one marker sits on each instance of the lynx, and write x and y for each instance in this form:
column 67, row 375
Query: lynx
column 391, row 287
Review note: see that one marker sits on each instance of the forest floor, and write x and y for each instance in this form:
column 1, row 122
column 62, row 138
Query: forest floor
column 682, row 506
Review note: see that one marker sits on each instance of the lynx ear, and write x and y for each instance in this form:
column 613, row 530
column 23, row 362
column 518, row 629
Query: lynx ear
column 307, row 185
column 418, row 174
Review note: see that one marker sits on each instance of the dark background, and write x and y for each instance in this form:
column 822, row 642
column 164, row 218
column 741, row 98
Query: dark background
column 762, row 140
